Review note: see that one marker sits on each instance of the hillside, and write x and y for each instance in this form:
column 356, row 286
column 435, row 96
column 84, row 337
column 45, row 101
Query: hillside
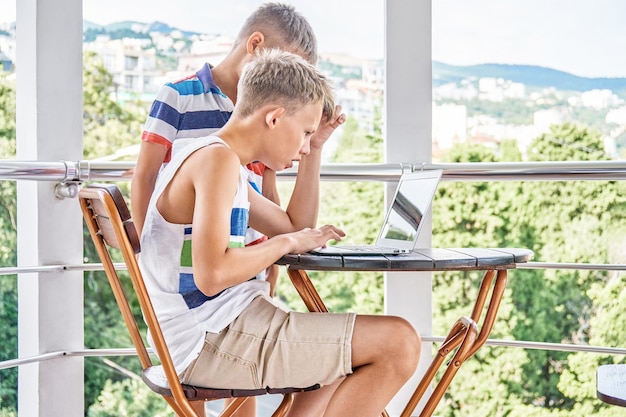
column 533, row 76
column 129, row 29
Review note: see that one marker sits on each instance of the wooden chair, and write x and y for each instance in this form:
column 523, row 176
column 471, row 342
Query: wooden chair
column 611, row 384
column 110, row 225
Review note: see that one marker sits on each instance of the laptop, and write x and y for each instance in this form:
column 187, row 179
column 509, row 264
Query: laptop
column 403, row 221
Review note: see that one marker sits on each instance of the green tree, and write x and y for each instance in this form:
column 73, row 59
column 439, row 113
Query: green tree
column 568, row 142
column 562, row 222
column 8, row 255
column 108, row 128
column 129, row 398
column 588, row 227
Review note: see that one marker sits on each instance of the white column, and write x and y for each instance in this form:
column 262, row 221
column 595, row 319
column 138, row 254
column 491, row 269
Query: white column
column 408, row 119
column 49, row 128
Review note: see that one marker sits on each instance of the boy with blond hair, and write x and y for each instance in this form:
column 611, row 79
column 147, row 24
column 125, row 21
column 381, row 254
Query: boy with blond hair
column 223, row 329
column 200, row 104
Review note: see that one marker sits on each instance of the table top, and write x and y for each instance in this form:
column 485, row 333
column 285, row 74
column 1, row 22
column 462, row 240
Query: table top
column 424, row 259
column 611, row 384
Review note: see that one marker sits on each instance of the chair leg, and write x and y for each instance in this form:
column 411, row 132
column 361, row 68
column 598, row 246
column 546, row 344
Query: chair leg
column 177, row 410
column 199, row 408
column 232, row 408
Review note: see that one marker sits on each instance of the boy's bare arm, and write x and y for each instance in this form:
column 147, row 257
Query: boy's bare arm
column 269, row 190
column 304, row 202
column 202, row 193
column 149, row 161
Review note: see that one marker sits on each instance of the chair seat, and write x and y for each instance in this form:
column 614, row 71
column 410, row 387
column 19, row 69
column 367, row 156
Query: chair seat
column 611, row 384
column 155, row 378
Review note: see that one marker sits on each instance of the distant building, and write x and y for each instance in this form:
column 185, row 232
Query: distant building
column 373, row 73
column 211, row 49
column 600, row 99
column 515, row 90
column 189, row 63
column 7, row 50
column 617, row 116
column 499, row 89
column 487, row 84
column 133, row 64
column 5, row 63
column 465, row 91
column 610, row 147
column 358, row 86
column 449, row 126
column 543, row 119
column 359, row 100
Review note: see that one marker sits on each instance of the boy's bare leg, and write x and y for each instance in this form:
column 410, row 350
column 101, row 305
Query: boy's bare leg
column 272, row 278
column 312, row 403
column 199, row 408
column 385, row 354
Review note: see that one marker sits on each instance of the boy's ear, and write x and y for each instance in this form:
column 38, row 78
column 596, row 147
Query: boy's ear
column 272, row 117
column 256, row 40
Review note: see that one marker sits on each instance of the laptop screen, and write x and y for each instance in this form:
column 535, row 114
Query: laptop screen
column 412, row 201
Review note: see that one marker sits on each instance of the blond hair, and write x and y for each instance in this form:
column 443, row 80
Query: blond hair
column 282, row 78
column 283, row 28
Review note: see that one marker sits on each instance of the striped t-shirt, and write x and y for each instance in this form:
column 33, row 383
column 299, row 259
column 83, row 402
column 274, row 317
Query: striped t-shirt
column 189, row 108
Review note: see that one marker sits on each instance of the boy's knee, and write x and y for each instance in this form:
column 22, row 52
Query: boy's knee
column 408, row 344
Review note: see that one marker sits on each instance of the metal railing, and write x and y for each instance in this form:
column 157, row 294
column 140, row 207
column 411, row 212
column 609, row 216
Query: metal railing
column 79, row 171
column 70, row 175
column 563, row 347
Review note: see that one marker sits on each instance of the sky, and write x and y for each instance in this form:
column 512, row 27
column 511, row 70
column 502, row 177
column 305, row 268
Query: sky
column 582, row 37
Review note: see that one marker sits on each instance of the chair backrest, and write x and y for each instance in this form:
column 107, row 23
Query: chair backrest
column 110, row 225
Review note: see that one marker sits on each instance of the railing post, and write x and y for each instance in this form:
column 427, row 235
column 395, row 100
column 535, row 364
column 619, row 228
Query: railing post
column 408, row 103
column 49, row 128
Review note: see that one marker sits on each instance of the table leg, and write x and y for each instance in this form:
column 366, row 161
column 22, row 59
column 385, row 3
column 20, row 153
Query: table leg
column 499, row 286
column 464, row 335
column 307, row 291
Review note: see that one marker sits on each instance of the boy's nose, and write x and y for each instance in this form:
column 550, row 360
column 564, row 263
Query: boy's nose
column 306, row 148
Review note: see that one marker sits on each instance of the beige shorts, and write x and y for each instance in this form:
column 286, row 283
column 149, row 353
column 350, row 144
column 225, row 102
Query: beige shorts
column 269, row 347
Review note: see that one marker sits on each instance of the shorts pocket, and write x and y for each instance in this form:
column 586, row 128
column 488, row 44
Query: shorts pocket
column 215, row 369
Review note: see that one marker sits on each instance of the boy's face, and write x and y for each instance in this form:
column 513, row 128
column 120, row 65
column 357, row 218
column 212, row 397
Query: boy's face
column 292, row 135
